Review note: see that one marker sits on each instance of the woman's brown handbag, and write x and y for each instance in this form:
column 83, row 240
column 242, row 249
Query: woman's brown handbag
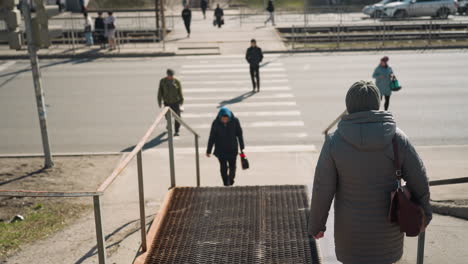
column 403, row 209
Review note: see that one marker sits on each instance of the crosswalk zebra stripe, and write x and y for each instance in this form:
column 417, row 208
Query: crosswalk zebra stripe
column 262, row 124
column 243, row 114
column 241, row 104
column 244, row 76
column 245, row 70
column 233, row 65
column 223, row 97
column 241, row 89
column 231, row 81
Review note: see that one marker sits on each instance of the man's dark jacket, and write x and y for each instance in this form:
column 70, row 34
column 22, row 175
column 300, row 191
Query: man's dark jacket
column 225, row 138
column 218, row 12
column 187, row 15
column 254, row 55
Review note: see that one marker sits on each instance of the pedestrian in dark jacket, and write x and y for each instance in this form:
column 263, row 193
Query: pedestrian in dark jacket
column 254, row 56
column 271, row 10
column 187, row 17
column 219, row 14
column 170, row 92
column 226, row 136
column 99, row 30
column 204, row 6
column 356, row 169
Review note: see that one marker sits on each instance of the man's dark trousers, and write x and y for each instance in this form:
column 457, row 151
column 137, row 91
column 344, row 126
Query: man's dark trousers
column 176, row 109
column 255, row 75
column 228, row 170
column 187, row 25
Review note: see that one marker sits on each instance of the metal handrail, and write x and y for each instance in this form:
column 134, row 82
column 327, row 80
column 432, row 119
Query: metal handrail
column 325, row 132
column 136, row 152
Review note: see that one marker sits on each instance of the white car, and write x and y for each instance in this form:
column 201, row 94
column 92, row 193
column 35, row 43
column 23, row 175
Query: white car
column 418, row 8
column 376, row 10
column 463, row 7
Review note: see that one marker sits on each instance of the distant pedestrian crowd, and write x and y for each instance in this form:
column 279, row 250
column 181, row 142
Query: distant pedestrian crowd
column 102, row 32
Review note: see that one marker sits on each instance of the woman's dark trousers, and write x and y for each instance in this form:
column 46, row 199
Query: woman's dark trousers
column 387, row 102
column 228, row 170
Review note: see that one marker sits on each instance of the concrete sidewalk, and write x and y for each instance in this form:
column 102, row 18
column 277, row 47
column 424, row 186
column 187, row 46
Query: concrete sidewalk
column 232, row 38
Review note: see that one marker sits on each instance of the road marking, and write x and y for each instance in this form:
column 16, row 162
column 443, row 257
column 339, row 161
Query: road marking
column 245, row 70
column 246, row 76
column 248, row 149
column 241, row 89
column 6, row 65
column 234, row 81
column 233, row 65
column 262, row 124
column 239, row 56
column 223, row 97
column 243, row 114
column 241, row 104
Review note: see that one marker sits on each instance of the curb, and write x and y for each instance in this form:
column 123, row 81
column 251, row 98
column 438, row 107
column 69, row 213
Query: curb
column 458, row 211
column 71, row 154
column 173, row 54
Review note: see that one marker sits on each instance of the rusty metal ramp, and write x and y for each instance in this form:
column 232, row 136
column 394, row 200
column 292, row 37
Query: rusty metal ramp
column 251, row 224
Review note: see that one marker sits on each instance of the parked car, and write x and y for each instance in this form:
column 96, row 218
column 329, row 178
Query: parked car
column 376, row 10
column 417, row 8
column 463, row 7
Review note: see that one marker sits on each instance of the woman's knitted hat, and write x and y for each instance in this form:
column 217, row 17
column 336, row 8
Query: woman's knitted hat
column 362, row 96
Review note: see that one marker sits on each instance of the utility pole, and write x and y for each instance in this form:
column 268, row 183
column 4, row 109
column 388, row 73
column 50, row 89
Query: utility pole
column 41, row 109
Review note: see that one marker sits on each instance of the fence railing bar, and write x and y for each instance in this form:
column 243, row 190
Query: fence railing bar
column 182, row 122
column 449, row 181
column 27, row 193
column 134, row 152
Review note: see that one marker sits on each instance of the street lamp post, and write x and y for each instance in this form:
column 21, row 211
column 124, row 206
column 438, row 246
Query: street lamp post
column 36, row 72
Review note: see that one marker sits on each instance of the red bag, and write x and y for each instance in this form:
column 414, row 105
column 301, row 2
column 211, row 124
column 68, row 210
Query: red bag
column 403, row 210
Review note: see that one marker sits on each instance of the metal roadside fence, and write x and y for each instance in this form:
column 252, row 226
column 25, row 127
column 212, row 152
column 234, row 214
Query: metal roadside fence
column 169, row 115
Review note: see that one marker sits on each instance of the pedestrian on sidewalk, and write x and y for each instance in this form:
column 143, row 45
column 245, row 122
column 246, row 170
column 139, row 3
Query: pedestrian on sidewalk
column 219, row 16
column 226, row 136
column 109, row 23
column 170, row 93
column 254, row 57
column 204, row 6
column 271, row 11
column 356, row 168
column 88, row 30
column 383, row 76
column 99, row 30
column 187, row 17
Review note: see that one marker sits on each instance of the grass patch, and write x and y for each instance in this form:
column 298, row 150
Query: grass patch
column 40, row 221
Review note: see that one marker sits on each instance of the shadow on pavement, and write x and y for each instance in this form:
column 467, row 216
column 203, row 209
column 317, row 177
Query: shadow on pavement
column 150, row 144
column 134, row 227
column 22, row 177
column 236, row 99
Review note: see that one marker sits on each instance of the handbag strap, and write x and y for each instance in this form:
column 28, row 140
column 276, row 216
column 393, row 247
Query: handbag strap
column 396, row 159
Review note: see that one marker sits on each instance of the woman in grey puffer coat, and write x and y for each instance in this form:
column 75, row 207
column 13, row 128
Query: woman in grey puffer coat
column 356, row 169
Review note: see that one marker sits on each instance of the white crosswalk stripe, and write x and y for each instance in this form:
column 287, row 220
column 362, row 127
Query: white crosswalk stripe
column 270, row 118
column 6, row 65
column 255, row 104
column 224, row 97
column 245, row 114
column 233, row 65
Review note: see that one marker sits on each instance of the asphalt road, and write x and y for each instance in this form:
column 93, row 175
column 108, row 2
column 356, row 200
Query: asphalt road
column 106, row 105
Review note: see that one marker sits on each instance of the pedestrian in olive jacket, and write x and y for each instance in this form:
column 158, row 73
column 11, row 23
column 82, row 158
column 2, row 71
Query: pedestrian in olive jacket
column 170, row 92
column 226, row 136
column 383, row 76
column 355, row 168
